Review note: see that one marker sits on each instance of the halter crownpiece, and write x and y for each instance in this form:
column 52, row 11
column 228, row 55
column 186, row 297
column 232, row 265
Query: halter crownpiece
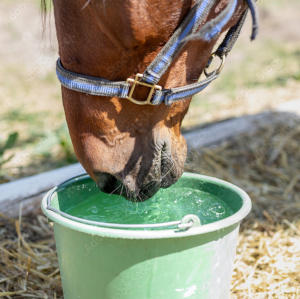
column 186, row 31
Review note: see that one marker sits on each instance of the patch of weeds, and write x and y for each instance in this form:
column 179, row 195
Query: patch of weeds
column 46, row 144
column 66, row 143
column 282, row 80
column 281, row 69
column 275, row 65
column 4, row 146
column 296, row 76
column 21, row 116
column 8, row 144
column 56, row 144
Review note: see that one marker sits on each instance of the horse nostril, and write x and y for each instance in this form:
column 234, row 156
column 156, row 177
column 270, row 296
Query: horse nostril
column 107, row 182
column 148, row 190
column 110, row 184
column 102, row 179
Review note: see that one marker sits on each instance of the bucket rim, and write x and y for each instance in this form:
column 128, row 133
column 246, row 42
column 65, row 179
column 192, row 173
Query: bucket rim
column 232, row 220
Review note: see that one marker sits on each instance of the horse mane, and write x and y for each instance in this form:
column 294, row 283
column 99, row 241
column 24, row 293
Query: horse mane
column 44, row 8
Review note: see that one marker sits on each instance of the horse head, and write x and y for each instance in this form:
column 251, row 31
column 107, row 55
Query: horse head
column 127, row 148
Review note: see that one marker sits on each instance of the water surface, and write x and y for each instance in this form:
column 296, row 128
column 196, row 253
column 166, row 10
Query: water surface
column 167, row 205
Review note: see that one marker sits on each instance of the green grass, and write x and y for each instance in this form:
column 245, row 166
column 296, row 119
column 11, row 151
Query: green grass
column 264, row 64
column 33, row 109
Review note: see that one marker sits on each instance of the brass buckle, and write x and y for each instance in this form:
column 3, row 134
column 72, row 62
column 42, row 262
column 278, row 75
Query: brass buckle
column 219, row 69
column 136, row 81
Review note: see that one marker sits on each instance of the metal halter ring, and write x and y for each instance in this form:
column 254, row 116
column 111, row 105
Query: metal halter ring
column 219, row 69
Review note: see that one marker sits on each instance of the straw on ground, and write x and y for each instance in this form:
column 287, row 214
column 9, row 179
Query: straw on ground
column 265, row 164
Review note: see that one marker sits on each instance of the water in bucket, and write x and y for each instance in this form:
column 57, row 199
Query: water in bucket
column 167, row 205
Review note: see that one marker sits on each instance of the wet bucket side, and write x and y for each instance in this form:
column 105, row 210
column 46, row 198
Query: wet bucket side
column 97, row 262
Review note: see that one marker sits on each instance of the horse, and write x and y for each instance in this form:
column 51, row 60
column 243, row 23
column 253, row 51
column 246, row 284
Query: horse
column 128, row 144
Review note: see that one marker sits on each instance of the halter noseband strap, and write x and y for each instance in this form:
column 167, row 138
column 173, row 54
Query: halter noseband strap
column 185, row 32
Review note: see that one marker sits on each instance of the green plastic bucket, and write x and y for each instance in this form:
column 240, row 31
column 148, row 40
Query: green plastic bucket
column 184, row 260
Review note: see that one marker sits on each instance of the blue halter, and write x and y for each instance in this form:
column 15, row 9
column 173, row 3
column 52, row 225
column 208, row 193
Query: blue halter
column 151, row 76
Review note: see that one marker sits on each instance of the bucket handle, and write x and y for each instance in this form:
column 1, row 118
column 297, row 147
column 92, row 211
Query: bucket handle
column 187, row 221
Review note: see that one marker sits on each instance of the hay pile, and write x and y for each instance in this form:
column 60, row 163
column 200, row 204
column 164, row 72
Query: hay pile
column 28, row 261
column 266, row 164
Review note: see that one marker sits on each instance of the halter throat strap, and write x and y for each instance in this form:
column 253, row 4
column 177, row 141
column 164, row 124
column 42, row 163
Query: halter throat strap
column 186, row 31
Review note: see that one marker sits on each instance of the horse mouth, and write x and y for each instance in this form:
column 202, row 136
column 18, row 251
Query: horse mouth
column 109, row 184
column 140, row 190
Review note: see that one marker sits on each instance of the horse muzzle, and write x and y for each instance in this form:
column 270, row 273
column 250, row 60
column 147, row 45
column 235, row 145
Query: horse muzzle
column 145, row 180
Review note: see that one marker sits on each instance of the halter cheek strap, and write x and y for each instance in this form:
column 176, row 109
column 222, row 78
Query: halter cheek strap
column 151, row 76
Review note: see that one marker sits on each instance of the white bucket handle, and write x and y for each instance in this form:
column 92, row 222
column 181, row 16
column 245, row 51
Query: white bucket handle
column 187, row 221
